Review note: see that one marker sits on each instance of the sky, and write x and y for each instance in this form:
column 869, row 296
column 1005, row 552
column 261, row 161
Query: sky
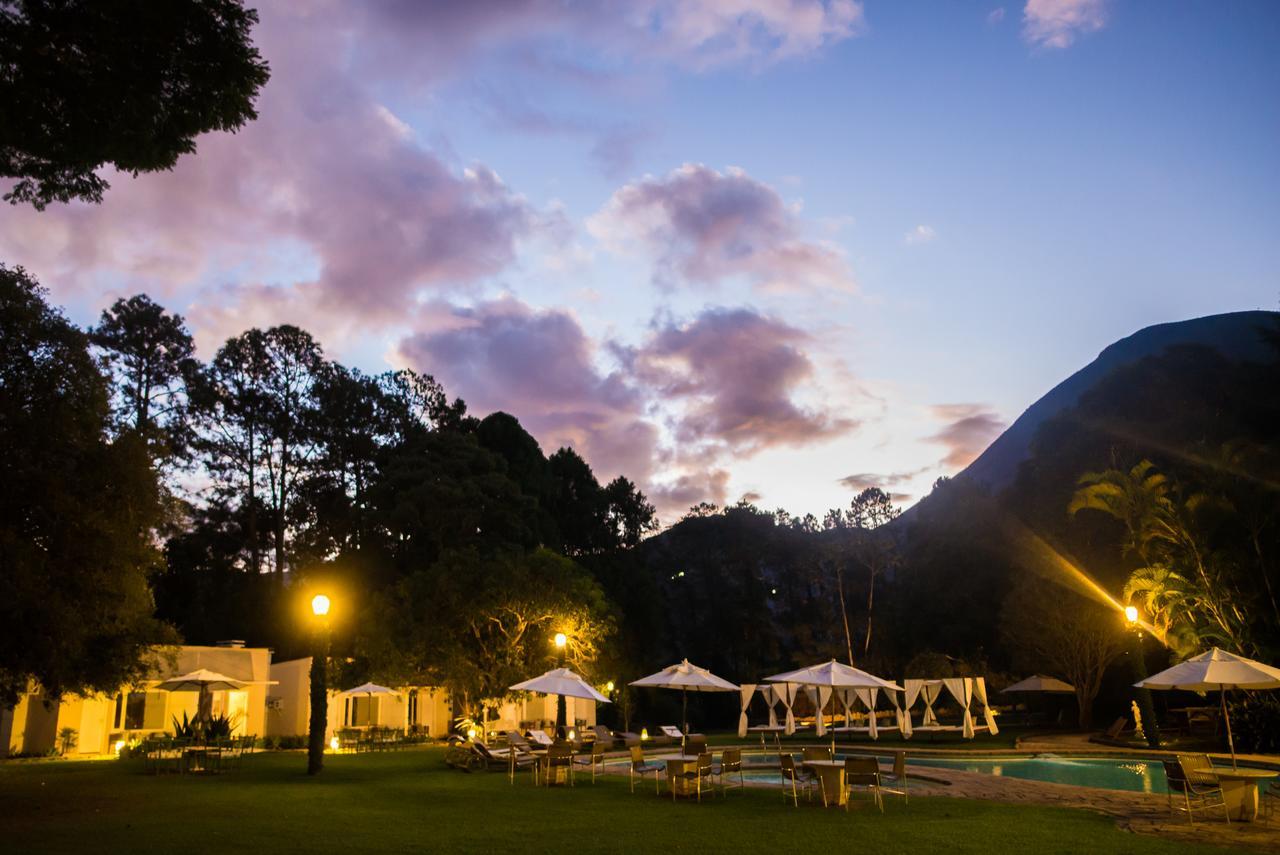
column 778, row 250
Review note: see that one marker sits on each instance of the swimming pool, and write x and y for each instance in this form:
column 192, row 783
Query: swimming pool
column 1134, row 774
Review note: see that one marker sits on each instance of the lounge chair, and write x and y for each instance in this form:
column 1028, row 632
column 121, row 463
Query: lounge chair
column 1116, row 728
column 508, row 759
column 515, row 740
column 1199, row 786
column 616, row 738
column 796, row 776
column 593, row 760
column 730, row 764
column 701, row 771
column 642, row 767
column 898, row 777
column 862, row 773
column 670, row 731
column 540, row 738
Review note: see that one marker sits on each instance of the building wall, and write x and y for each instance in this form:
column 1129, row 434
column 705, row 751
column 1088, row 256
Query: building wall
column 100, row 721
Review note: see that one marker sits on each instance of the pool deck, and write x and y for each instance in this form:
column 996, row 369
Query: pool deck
column 1140, row 813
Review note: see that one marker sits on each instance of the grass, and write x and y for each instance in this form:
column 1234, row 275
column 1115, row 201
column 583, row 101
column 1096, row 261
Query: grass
column 411, row 800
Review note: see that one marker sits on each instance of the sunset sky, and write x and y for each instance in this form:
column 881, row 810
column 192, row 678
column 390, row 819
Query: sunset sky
column 780, row 249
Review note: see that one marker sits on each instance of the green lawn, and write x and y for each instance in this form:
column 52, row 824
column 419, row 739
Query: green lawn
column 410, row 801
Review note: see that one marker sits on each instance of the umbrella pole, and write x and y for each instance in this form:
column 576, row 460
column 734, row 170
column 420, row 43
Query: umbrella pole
column 684, row 715
column 1226, row 717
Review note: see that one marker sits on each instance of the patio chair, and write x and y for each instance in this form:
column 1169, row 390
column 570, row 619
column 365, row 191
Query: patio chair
column 797, row 777
column 560, row 763
column 898, row 777
column 701, row 771
column 695, row 744
column 642, row 767
column 1197, row 787
column 593, row 760
column 862, row 773
column 730, row 764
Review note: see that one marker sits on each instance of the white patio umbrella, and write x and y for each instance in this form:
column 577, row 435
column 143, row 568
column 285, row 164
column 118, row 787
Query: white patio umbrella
column 1040, row 683
column 203, row 681
column 686, row 677
column 368, row 690
column 563, row 682
column 1219, row 670
column 834, row 675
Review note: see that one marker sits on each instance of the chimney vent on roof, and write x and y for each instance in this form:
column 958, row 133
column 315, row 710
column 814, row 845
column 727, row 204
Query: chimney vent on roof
column 234, row 642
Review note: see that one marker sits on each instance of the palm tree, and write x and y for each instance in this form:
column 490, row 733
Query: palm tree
column 1160, row 529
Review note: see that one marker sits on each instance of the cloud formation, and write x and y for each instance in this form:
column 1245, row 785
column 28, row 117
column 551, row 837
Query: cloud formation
column 1057, row 23
column 539, row 365
column 969, row 430
column 733, row 374
column 701, row 227
column 864, row 480
column 920, row 234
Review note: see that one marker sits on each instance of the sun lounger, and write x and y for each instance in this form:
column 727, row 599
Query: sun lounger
column 615, row 739
column 540, row 738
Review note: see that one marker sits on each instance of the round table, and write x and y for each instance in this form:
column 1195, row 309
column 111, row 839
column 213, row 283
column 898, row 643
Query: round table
column 1240, row 790
column 831, row 775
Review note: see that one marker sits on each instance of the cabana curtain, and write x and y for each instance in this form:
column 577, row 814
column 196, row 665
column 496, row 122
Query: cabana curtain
column 745, row 691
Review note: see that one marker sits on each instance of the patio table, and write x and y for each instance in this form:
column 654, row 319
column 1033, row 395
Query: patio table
column 776, row 729
column 676, row 764
column 1240, row 790
column 831, row 778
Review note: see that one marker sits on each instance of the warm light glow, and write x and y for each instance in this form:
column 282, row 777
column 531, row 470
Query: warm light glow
column 120, row 743
column 333, row 744
column 471, row 733
column 561, row 640
column 1131, row 614
column 644, row 734
column 608, row 688
column 320, row 605
column 572, row 735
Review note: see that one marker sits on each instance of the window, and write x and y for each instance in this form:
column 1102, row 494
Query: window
column 135, row 712
column 413, row 706
column 118, row 718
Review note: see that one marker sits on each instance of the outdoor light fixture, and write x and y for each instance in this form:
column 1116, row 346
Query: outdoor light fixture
column 608, row 688
column 1131, row 614
column 644, row 734
column 119, row 746
column 320, row 605
column 561, row 640
column 333, row 744
column 319, row 689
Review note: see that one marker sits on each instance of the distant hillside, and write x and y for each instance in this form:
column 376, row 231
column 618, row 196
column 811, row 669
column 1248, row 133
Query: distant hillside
column 1235, row 335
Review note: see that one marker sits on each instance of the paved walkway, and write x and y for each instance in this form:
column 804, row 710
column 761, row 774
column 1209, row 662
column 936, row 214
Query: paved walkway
column 1138, row 812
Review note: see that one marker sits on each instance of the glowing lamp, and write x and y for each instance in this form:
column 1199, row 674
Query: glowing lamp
column 320, row 605
column 572, row 735
column 644, row 734
column 561, row 640
column 608, row 688
column 471, row 734
column 120, row 743
column 333, row 744
column 1131, row 614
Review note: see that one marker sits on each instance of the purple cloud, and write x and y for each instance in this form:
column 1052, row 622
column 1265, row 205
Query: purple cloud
column 970, row 429
column 733, row 373
column 540, row 366
column 1056, row 23
column 701, row 226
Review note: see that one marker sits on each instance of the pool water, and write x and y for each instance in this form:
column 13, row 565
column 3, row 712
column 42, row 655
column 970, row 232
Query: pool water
column 1132, row 774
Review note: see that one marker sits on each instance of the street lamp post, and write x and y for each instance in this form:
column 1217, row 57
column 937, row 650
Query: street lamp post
column 319, row 689
column 1146, row 705
column 561, row 642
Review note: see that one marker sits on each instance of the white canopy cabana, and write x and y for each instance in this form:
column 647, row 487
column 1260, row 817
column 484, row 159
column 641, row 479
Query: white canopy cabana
column 1216, row 669
column 822, row 680
column 963, row 689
